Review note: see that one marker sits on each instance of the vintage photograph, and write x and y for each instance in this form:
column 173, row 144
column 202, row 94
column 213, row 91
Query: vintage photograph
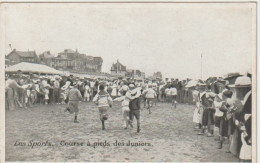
column 129, row 82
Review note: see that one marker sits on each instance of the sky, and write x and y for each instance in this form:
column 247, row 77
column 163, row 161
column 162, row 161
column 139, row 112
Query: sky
column 165, row 37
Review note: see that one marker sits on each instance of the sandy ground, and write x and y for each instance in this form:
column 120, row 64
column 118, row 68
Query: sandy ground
column 167, row 135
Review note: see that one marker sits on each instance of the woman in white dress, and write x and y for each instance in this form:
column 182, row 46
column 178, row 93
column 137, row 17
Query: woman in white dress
column 114, row 91
column 87, row 92
column 196, row 114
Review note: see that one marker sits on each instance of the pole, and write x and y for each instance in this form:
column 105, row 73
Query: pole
column 201, row 67
column 10, row 45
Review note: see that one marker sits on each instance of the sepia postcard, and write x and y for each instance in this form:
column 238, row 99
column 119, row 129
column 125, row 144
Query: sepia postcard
column 147, row 81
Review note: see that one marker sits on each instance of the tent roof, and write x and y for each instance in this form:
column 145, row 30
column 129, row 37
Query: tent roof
column 192, row 83
column 32, row 67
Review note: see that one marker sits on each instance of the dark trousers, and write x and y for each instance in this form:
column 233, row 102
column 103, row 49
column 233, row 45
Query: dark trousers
column 134, row 106
column 208, row 117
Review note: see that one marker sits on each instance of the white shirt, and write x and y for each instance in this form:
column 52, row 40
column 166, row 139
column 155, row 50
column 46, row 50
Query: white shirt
column 124, row 88
column 149, row 93
column 167, row 91
column 173, row 91
column 217, row 107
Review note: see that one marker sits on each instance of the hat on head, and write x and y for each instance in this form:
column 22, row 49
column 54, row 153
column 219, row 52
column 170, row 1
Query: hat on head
column 131, row 85
column 242, row 81
column 133, row 92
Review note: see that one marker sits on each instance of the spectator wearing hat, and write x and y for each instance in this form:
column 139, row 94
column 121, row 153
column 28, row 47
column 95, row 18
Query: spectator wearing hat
column 202, row 111
column 95, row 88
column 33, row 92
column 87, row 92
column 114, row 91
column 51, row 91
column 196, row 113
column 46, row 93
column 246, row 133
column 208, row 111
column 11, row 87
column 56, row 90
column 21, row 93
column 240, row 88
column 74, row 97
column 218, row 118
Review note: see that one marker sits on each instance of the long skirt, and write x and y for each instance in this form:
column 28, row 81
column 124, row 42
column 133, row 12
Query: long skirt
column 201, row 115
column 223, row 127
column 86, row 94
column 196, row 115
column 205, row 117
column 246, row 150
column 10, row 99
column 56, row 93
column 236, row 143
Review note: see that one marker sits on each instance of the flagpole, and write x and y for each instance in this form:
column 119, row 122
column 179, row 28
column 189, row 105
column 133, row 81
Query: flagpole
column 201, row 67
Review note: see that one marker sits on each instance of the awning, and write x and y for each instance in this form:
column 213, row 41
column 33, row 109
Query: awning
column 33, row 68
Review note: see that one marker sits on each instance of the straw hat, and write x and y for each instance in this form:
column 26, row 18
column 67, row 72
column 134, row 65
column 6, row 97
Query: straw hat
column 131, row 85
column 242, row 81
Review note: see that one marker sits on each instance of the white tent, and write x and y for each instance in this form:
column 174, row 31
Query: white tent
column 192, row 83
column 92, row 76
column 33, row 68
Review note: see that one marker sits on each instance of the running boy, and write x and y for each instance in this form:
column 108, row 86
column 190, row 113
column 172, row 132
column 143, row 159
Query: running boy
column 125, row 108
column 103, row 100
column 74, row 97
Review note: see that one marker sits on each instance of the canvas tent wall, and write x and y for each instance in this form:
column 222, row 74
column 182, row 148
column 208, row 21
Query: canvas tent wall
column 26, row 67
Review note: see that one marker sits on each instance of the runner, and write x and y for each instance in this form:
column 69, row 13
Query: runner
column 103, row 100
column 74, row 97
column 134, row 105
column 173, row 95
column 150, row 95
column 125, row 108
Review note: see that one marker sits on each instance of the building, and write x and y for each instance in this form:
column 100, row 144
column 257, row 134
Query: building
column 137, row 74
column 157, row 75
column 143, row 75
column 67, row 60
column 22, row 56
column 117, row 69
column 73, row 61
column 7, row 62
column 129, row 73
column 47, row 58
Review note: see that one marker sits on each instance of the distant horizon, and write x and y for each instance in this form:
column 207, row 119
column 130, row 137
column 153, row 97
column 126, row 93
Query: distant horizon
column 163, row 75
